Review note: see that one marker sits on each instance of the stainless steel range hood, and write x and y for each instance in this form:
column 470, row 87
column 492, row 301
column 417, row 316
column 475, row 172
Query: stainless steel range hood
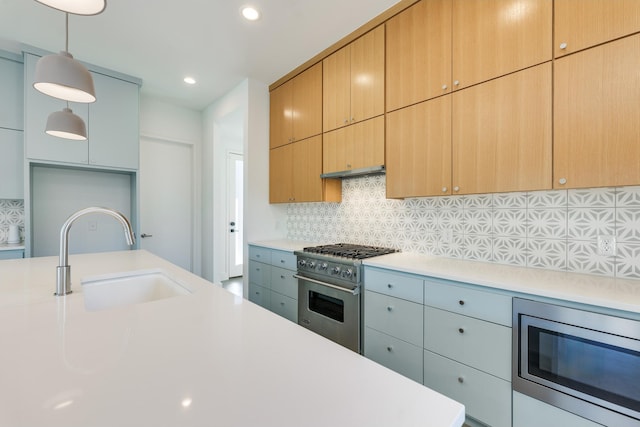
column 350, row 173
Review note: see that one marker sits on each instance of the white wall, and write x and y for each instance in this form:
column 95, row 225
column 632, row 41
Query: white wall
column 168, row 122
column 245, row 106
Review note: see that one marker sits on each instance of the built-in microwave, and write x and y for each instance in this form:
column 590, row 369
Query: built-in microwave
column 584, row 362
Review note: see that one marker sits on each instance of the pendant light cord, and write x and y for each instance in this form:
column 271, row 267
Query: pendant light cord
column 66, row 34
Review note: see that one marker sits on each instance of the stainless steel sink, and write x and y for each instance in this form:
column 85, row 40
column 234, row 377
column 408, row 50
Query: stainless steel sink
column 121, row 289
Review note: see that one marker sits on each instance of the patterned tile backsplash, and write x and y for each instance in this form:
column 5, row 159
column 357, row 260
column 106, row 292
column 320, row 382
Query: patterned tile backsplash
column 11, row 212
column 555, row 230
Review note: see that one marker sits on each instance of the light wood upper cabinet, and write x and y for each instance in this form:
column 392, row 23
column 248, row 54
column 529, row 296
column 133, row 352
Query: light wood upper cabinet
column 502, row 134
column 354, row 147
column 496, row 37
column 597, row 116
column 580, row 24
column 353, row 81
column 418, row 53
column 418, row 147
column 296, row 108
column 294, row 174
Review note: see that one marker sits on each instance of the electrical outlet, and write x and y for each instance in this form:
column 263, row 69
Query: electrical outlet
column 607, row 245
column 446, row 235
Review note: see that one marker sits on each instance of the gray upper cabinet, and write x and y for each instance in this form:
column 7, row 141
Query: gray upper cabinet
column 11, row 94
column 11, row 164
column 112, row 124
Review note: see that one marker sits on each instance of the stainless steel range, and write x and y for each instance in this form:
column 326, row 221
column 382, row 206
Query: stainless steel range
column 329, row 285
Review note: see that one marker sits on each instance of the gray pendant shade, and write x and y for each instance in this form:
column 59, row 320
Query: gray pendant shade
column 77, row 7
column 60, row 76
column 65, row 124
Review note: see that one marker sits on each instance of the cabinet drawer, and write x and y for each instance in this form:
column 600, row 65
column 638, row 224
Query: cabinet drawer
column 483, row 345
column 11, row 254
column 283, row 282
column 284, row 306
column 258, row 253
column 395, row 354
column 529, row 412
column 283, row 259
column 470, row 302
column 394, row 316
column 397, row 285
column 485, row 397
column 260, row 274
column 259, row 295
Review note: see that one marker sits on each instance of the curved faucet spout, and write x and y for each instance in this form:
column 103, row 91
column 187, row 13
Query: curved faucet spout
column 63, row 278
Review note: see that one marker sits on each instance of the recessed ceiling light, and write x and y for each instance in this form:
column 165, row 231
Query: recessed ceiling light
column 190, row 80
column 250, row 13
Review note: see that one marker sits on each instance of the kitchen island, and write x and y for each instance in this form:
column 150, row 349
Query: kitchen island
column 205, row 359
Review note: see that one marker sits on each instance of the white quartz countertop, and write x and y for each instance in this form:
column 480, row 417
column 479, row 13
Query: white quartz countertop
column 11, row 246
column 205, row 359
column 284, row 244
column 617, row 294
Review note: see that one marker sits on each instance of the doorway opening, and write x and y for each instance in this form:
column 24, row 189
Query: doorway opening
column 235, row 220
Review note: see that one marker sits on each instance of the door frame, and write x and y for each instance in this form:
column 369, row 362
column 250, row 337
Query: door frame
column 228, row 155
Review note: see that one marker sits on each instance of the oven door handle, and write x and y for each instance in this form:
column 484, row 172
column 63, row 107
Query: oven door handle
column 354, row 291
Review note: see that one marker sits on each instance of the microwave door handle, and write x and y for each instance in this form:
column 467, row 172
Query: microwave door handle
column 354, row 291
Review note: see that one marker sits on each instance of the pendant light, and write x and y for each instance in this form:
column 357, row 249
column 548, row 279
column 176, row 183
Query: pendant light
column 77, row 7
column 60, row 76
column 66, row 124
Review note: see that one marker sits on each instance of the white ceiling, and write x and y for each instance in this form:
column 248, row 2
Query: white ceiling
column 163, row 41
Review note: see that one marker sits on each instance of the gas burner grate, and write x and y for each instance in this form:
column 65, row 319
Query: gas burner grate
column 351, row 251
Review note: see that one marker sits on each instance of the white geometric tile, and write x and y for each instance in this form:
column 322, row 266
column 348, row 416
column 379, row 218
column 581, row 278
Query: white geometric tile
column 510, row 222
column 510, row 201
column 477, row 201
column 450, row 219
column 628, row 197
column 478, row 248
column 628, row 260
column 582, row 257
column 547, row 253
column 547, row 223
column 477, row 221
column 547, row 199
column 589, row 223
column 510, row 250
column 592, row 198
column 449, row 202
column 628, row 225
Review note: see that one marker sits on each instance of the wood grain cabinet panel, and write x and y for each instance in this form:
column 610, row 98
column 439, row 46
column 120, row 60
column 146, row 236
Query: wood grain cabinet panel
column 353, row 81
column 418, row 54
column 418, row 149
column 492, row 38
column 597, row 116
column 296, row 108
column 502, row 134
column 579, row 24
column 354, row 147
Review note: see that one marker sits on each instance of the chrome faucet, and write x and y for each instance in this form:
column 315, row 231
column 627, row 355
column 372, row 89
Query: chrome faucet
column 63, row 278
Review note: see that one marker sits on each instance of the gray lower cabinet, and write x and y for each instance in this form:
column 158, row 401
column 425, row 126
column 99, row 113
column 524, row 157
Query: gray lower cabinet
column 530, row 412
column 12, row 254
column 271, row 281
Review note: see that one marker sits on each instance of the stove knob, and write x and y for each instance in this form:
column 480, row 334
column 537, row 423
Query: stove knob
column 323, row 266
column 302, row 263
column 335, row 270
column 312, row 264
column 347, row 273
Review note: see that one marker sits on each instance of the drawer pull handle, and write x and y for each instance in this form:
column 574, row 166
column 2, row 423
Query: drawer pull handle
column 389, row 285
column 258, row 256
column 389, row 349
column 282, row 303
column 282, row 261
column 461, row 302
column 460, row 380
column 461, row 330
column 389, row 308
column 257, row 269
column 281, row 276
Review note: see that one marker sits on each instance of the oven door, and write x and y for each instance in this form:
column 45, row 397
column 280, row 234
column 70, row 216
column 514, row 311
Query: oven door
column 330, row 310
column 584, row 362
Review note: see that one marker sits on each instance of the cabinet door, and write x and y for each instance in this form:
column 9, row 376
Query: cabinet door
column 597, row 116
column 395, row 354
column 307, row 167
column 307, row 103
column 11, row 164
column 495, row 37
column 38, row 106
column 502, row 134
column 12, row 254
column 11, row 94
column 281, row 115
column 260, row 295
column 580, row 24
column 336, row 86
column 284, row 306
column 367, row 75
column 529, row 412
column 418, row 149
column 354, row 147
column 394, row 316
column 418, row 53
column 113, row 123
column 281, row 174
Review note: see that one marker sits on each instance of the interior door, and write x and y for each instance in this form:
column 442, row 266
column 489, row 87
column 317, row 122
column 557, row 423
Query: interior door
column 166, row 200
column 235, row 167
